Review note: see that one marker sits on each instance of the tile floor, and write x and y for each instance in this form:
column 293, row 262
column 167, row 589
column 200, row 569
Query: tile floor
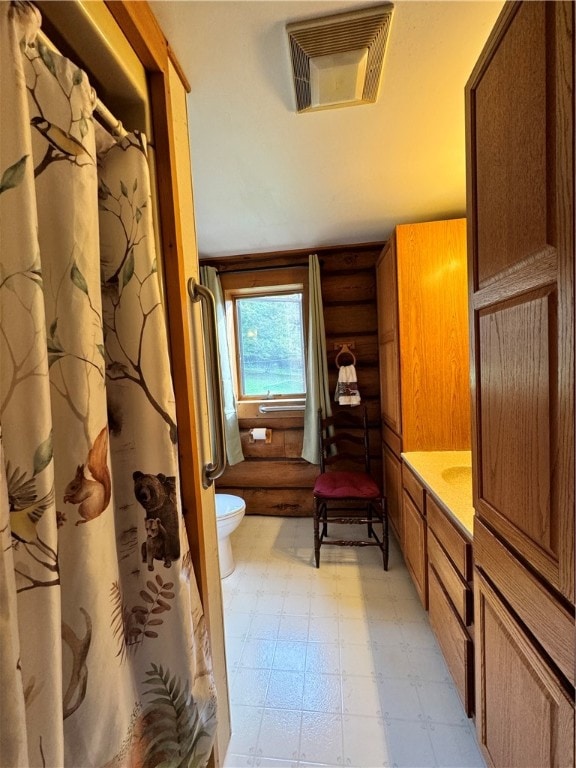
column 336, row 666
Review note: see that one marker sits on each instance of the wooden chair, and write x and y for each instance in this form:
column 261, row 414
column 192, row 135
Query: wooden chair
column 344, row 491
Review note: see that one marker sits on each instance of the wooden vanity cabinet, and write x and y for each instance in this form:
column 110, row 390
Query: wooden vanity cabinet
column 414, row 532
column 520, row 168
column 423, row 347
column 450, row 598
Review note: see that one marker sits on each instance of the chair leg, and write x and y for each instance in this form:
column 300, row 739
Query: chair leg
column 317, row 532
column 370, row 531
column 324, row 520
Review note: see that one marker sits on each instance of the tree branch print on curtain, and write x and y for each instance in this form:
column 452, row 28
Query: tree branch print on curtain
column 125, row 361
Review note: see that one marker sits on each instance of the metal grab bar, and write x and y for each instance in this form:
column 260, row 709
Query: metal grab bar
column 270, row 408
column 213, row 469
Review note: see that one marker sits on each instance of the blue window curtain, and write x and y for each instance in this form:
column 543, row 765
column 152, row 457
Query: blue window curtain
column 317, row 389
column 210, row 278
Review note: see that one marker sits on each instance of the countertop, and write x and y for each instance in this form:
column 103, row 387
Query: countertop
column 447, row 475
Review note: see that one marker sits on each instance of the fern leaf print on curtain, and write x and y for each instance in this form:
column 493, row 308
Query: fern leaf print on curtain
column 105, row 659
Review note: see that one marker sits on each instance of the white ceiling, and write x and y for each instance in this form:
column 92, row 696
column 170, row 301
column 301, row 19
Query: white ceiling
column 266, row 178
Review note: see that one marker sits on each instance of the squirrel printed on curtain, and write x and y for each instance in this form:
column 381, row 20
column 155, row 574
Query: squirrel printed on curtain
column 91, row 493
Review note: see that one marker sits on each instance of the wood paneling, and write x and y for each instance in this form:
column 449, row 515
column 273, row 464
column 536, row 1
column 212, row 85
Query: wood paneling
column 349, row 319
column 524, row 715
column 357, row 287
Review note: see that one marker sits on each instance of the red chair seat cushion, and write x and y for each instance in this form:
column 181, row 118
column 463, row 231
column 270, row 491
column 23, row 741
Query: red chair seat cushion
column 336, row 485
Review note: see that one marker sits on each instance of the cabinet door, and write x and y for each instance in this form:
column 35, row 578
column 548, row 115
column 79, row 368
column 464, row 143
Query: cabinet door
column 388, row 348
column 520, row 116
column 393, row 478
column 523, row 714
column 414, row 546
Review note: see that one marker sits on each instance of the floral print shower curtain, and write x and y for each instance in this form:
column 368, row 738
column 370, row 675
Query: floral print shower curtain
column 104, row 656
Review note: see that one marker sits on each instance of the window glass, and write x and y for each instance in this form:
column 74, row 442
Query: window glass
column 270, row 344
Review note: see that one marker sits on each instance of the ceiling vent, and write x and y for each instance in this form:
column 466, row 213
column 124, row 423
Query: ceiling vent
column 337, row 60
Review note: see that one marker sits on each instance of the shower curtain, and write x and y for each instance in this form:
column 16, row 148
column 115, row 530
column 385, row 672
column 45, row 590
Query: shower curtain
column 104, row 649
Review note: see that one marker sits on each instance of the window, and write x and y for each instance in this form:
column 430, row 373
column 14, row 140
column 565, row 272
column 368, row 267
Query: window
column 266, row 311
column 269, row 340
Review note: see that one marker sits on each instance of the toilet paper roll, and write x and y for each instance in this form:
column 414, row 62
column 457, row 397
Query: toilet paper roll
column 259, row 433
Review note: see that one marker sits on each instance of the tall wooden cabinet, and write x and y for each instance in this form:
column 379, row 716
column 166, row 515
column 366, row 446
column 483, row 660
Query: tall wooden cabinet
column 520, row 144
column 423, row 346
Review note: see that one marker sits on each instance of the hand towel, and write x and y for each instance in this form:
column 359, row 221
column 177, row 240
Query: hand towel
column 347, row 386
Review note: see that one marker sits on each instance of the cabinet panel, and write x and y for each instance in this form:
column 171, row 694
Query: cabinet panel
column 511, row 109
column 458, row 592
column 388, row 337
column 393, row 479
column 457, row 547
column 414, row 546
column 523, row 717
column 454, row 641
column 433, row 322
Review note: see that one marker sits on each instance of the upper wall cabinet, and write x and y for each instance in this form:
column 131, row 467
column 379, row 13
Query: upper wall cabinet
column 423, row 336
column 423, row 345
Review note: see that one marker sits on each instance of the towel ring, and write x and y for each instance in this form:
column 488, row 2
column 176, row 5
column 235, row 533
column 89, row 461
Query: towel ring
column 345, row 350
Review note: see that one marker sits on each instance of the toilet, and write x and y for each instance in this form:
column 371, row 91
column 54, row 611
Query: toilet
column 229, row 513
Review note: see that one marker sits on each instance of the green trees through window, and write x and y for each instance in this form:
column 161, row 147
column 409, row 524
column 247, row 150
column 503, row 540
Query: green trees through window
column 271, row 344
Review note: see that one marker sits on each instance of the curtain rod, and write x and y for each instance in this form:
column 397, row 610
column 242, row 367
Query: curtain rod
column 111, row 123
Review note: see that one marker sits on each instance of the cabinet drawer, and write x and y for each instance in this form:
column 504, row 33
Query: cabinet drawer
column 414, row 488
column 454, row 641
column 458, row 591
column 454, row 543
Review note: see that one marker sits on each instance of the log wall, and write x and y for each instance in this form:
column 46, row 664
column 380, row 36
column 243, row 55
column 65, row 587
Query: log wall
column 273, row 479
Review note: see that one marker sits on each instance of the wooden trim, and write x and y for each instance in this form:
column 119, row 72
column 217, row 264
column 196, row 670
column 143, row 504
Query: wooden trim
column 178, row 69
column 142, row 30
column 278, row 258
column 539, row 269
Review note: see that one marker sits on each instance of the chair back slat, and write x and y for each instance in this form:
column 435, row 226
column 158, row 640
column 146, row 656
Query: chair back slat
column 339, row 445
